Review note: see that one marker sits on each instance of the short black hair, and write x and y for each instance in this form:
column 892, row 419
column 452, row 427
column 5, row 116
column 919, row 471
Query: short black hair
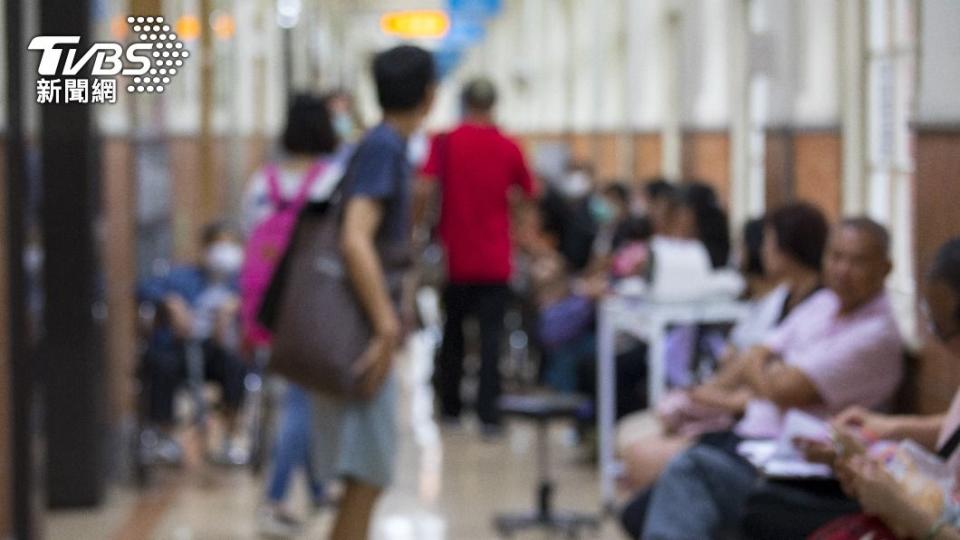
column 877, row 232
column 479, row 94
column 656, row 188
column 946, row 266
column 619, row 191
column 752, row 247
column 309, row 129
column 214, row 230
column 637, row 229
column 404, row 75
column 802, row 232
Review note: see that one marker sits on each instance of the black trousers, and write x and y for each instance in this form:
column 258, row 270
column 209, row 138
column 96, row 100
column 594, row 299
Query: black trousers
column 775, row 510
column 164, row 370
column 782, row 510
column 486, row 301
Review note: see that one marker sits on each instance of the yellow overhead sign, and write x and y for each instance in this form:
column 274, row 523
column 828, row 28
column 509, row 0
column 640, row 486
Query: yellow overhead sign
column 415, row 24
column 188, row 27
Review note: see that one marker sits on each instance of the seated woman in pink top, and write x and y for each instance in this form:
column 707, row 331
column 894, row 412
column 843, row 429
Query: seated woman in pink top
column 791, row 251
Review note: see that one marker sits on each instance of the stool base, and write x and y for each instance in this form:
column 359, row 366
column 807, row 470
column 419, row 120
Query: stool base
column 568, row 523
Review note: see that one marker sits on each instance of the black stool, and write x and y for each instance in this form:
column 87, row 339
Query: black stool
column 542, row 409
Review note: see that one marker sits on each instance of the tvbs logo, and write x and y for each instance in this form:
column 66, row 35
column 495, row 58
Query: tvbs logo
column 151, row 62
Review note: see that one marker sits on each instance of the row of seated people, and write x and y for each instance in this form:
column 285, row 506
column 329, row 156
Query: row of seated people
column 821, row 337
column 573, row 263
column 827, row 343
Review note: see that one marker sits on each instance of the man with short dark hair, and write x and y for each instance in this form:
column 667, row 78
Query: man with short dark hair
column 357, row 440
column 477, row 168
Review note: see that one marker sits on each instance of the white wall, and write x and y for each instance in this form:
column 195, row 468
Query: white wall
column 817, row 98
column 940, row 62
column 647, row 84
column 580, row 65
column 705, row 72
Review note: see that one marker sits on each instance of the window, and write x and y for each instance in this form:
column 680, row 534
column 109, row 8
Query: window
column 891, row 54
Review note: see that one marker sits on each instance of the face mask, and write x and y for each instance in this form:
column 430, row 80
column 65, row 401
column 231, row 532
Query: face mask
column 600, row 210
column 575, row 185
column 224, row 258
column 343, row 125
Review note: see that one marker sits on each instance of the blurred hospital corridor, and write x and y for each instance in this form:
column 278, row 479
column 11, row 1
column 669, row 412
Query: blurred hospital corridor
column 479, row 269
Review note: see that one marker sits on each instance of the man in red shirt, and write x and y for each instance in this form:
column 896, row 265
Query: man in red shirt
column 477, row 168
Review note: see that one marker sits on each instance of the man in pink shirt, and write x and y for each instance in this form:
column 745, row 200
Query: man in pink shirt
column 839, row 348
column 785, row 510
column 830, row 359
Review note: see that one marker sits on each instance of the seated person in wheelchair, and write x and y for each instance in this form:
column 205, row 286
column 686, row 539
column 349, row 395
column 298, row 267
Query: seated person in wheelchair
column 197, row 306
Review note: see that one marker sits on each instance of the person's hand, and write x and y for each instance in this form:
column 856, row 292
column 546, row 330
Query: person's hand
column 848, row 442
column 374, row 365
column 880, row 495
column 593, row 287
column 181, row 318
column 870, row 424
column 225, row 323
column 845, row 476
column 815, row 451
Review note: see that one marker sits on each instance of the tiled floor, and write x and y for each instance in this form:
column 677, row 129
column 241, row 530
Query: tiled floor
column 449, row 486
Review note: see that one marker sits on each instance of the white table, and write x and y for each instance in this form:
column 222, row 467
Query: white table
column 649, row 321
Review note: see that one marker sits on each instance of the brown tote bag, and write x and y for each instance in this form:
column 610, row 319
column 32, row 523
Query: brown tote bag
column 320, row 327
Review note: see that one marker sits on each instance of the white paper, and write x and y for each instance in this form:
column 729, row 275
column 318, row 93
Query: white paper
column 796, row 424
column 779, row 458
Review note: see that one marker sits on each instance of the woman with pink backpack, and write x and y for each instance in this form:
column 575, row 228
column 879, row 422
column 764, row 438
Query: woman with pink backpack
column 308, row 171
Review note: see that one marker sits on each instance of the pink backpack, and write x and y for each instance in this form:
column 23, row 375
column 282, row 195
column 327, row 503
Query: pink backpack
column 265, row 247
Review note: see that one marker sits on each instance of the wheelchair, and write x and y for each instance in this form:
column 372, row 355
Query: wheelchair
column 151, row 449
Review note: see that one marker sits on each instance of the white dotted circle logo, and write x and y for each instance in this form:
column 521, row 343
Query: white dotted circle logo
column 167, row 51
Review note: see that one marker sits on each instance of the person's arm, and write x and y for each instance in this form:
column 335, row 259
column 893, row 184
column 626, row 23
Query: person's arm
column 923, row 429
column 732, row 401
column 732, row 372
column 861, row 365
column 361, row 220
column 727, row 388
column 163, row 294
column 784, row 385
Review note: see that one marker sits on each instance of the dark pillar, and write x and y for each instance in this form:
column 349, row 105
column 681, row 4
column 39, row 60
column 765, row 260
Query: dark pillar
column 21, row 378
column 74, row 376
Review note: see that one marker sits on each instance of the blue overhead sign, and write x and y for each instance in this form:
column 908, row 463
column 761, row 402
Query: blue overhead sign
column 475, row 8
column 464, row 32
column 468, row 26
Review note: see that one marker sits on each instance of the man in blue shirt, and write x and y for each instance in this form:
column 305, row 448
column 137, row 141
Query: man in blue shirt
column 357, row 440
